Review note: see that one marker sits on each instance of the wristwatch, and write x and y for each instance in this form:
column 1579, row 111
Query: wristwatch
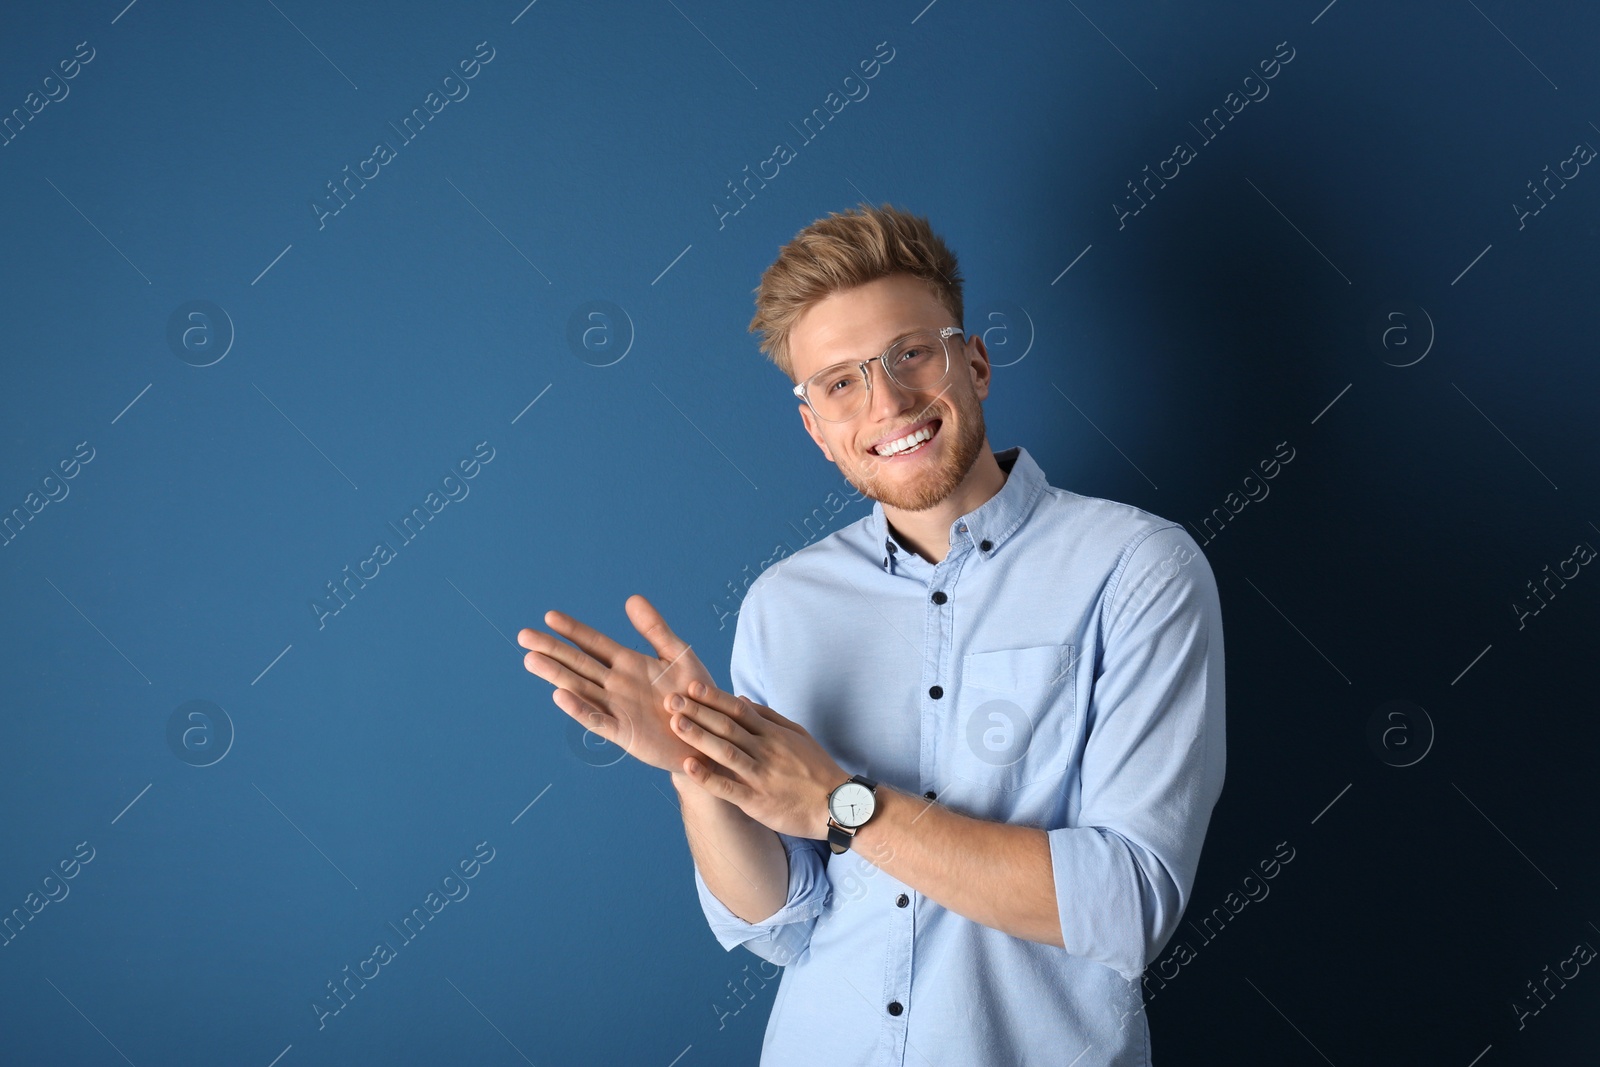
column 850, row 805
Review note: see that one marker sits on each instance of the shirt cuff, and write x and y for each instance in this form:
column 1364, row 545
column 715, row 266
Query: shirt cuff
column 1109, row 910
column 783, row 936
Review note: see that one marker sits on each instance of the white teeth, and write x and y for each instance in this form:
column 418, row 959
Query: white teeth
column 901, row 445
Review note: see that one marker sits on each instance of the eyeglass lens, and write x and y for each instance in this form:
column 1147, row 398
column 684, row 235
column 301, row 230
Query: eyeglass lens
column 917, row 362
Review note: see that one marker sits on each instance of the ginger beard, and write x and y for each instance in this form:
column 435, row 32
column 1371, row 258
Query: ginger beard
column 926, row 479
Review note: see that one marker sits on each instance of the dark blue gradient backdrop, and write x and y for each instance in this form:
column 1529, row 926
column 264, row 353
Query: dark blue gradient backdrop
column 341, row 342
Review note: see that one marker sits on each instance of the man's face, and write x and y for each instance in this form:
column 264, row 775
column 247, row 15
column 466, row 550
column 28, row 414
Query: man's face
column 860, row 323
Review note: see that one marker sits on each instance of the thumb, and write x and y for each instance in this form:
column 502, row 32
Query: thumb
column 653, row 628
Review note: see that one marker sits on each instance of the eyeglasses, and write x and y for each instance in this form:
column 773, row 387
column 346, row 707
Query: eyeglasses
column 918, row 361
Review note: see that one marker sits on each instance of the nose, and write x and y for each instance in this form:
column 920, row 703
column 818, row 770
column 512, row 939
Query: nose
column 886, row 398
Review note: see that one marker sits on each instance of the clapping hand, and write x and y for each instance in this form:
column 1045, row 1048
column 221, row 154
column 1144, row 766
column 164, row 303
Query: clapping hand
column 616, row 692
column 751, row 756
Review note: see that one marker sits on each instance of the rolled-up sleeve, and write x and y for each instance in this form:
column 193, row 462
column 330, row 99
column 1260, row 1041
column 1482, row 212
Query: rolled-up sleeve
column 784, row 935
column 1153, row 761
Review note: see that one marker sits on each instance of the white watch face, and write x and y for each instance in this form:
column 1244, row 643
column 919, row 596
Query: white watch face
column 851, row 804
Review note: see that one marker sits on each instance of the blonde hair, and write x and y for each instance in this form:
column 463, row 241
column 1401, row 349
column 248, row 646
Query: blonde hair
column 842, row 251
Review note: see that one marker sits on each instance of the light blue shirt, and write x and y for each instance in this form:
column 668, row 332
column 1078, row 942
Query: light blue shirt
column 1061, row 668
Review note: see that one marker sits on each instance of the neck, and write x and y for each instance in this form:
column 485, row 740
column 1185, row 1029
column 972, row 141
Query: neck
column 927, row 533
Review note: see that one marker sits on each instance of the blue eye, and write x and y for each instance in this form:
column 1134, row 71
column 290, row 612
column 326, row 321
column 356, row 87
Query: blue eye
column 840, row 378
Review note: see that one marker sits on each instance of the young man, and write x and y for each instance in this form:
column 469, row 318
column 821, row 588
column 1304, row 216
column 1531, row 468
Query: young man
column 962, row 792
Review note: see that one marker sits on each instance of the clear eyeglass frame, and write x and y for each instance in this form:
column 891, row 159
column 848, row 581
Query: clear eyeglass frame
column 944, row 333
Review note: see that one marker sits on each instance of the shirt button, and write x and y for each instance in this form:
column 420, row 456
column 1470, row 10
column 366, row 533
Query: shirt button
column 895, row 1008
column 961, row 528
column 901, row 901
column 931, row 795
column 939, row 597
column 936, row 692
column 985, row 545
column 890, row 546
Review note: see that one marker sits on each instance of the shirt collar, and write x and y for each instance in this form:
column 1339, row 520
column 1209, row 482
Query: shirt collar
column 990, row 524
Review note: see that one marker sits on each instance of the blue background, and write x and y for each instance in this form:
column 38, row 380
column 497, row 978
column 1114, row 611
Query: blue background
column 1440, row 861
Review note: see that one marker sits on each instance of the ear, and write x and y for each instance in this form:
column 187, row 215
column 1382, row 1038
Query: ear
column 810, row 422
column 977, row 361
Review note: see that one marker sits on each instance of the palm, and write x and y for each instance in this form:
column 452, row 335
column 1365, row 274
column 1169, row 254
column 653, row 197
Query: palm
column 616, row 692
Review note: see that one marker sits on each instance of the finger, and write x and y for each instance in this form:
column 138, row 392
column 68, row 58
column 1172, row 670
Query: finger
column 604, row 650
column 589, row 716
column 701, row 774
column 574, row 659
column 713, row 744
column 561, row 676
column 613, row 727
column 735, row 708
column 770, row 715
column 730, row 725
column 654, row 629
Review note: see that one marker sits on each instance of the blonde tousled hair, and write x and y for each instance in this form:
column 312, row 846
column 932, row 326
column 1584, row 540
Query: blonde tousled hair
column 840, row 252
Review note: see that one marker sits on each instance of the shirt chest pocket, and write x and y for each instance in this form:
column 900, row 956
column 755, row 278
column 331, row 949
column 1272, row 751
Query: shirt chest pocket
column 1016, row 717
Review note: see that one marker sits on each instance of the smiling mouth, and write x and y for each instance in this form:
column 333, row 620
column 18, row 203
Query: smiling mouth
column 932, row 428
